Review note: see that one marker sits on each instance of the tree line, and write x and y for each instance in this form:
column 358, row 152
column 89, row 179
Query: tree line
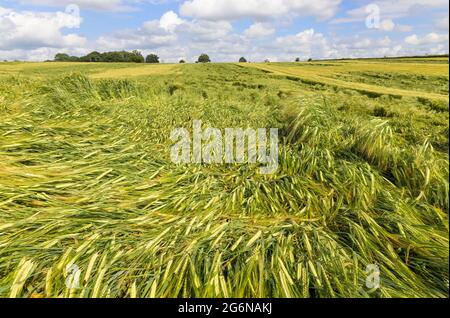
column 130, row 57
column 119, row 57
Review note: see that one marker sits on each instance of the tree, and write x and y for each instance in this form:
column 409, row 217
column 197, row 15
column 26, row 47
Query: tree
column 182, row 61
column 242, row 60
column 267, row 61
column 74, row 59
column 152, row 58
column 297, row 59
column 204, row 58
column 310, row 60
column 109, row 57
column 62, row 57
column 137, row 57
column 92, row 57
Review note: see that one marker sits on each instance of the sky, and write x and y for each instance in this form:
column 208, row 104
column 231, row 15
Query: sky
column 278, row 30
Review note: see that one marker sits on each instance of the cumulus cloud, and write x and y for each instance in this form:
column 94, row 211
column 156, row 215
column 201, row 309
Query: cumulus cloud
column 360, row 46
column 387, row 25
column 205, row 31
column 169, row 21
column 100, row 5
column 442, row 23
column 135, row 39
column 39, row 54
column 403, row 28
column 389, row 9
column 430, row 38
column 169, row 30
column 258, row 30
column 366, row 43
column 307, row 43
column 34, row 30
column 172, row 37
column 258, row 9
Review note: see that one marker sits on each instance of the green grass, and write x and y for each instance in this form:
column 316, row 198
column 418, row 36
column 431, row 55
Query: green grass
column 86, row 179
column 434, row 84
column 343, row 75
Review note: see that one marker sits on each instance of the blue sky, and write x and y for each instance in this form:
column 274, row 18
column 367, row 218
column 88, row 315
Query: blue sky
column 279, row 30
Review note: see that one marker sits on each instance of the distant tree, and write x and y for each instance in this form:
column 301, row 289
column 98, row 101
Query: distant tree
column 108, row 57
column 92, row 57
column 62, row 57
column 310, row 60
column 297, row 59
column 267, row 61
column 152, row 58
column 242, row 60
column 182, row 61
column 137, row 57
column 204, row 58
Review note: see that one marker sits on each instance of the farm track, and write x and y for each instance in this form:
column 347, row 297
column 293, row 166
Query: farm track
column 309, row 77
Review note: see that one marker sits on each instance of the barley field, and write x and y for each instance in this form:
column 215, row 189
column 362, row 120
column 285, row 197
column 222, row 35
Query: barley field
column 91, row 204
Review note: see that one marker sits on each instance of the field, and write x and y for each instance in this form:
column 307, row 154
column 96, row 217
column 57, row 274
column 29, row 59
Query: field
column 92, row 206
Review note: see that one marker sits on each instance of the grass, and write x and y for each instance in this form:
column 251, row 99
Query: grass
column 135, row 71
column 342, row 75
column 94, row 70
column 86, row 180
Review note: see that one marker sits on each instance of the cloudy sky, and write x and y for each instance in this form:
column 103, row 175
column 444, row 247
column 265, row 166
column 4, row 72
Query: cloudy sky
column 279, row 30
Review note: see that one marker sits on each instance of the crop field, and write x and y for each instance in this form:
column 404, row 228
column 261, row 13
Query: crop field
column 91, row 204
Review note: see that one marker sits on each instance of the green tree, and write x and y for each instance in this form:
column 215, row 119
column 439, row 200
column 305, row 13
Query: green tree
column 137, row 57
column 152, row 58
column 182, row 61
column 62, row 57
column 204, row 58
column 242, row 60
column 297, row 59
column 92, row 57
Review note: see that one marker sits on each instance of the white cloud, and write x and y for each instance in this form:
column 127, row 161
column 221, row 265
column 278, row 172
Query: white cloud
column 258, row 30
column 440, row 49
column 205, row 31
column 132, row 39
column 387, row 25
column 258, row 9
column 169, row 30
column 100, row 5
column 358, row 43
column 392, row 9
column 442, row 23
column 403, row 28
column 169, row 21
column 430, row 38
column 38, row 55
column 307, row 43
column 173, row 37
column 34, row 30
